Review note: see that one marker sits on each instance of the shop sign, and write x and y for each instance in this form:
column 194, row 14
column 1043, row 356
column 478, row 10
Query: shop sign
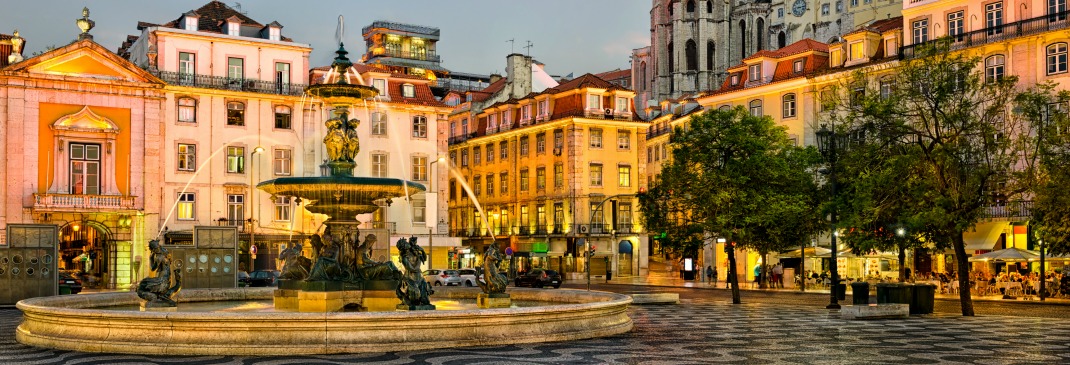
column 540, row 247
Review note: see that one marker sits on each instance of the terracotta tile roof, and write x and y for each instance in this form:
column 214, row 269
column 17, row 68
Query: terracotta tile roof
column 615, row 74
column 422, row 96
column 213, row 18
column 584, row 81
column 885, row 25
column 495, row 87
column 784, row 67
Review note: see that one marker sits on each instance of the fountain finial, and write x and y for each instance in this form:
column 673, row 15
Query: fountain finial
column 341, row 63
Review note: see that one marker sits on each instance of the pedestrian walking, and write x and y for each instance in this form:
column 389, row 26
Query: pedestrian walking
column 709, row 274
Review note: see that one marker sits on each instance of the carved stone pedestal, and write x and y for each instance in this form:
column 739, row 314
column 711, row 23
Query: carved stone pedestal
column 402, row 307
column 495, row 300
column 328, row 296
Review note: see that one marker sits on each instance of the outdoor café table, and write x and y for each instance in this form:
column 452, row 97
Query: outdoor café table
column 1008, row 285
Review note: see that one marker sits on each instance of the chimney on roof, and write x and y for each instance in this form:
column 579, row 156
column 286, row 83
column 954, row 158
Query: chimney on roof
column 495, row 77
column 518, row 70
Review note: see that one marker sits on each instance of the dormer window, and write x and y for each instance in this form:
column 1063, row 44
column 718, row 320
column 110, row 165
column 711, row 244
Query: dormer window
column 797, row 66
column 594, row 101
column 505, row 117
column 408, row 91
column 274, row 34
column 622, row 104
column 234, row 28
column 191, row 23
column 755, row 72
column 735, row 79
column 891, row 47
column 492, row 121
column 525, row 112
column 858, row 51
column 380, row 84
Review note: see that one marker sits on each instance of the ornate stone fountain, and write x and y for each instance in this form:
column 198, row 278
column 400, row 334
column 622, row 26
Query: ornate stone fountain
column 344, row 272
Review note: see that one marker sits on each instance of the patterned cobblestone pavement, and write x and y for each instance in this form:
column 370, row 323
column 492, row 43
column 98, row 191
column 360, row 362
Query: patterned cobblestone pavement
column 703, row 329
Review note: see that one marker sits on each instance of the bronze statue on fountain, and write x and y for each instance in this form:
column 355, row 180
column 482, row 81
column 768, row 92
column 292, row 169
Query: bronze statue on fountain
column 159, row 290
column 413, row 290
column 494, row 282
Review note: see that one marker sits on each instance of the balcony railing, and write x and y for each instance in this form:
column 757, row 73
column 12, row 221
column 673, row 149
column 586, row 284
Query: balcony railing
column 1011, row 209
column 402, row 27
column 601, row 113
column 1022, row 28
column 429, row 56
column 228, row 83
column 79, row 201
column 655, row 131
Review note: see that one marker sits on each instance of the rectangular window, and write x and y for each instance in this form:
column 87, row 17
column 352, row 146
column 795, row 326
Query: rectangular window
column 504, row 150
column 477, row 155
column 797, row 66
column 235, row 113
column 490, row 184
column 235, row 209
column 378, row 124
column 540, row 143
column 540, row 219
column 477, row 185
column 598, row 219
column 282, row 209
column 596, row 138
column 282, row 78
column 524, row 146
column 559, row 140
column 187, row 157
column 419, row 126
column 955, row 24
column 887, row 87
column 524, row 180
column 921, row 31
column 282, row 163
column 504, row 180
column 540, row 178
column 622, row 105
column 419, row 168
column 187, row 204
column 525, row 219
column 624, row 176
column 187, row 63
column 236, row 160
column 233, row 28
column 85, row 169
column 464, row 127
column 380, row 84
column 594, row 101
column 419, row 210
column 559, row 176
column 559, row 218
column 624, row 140
column 754, row 72
column 379, row 165
column 464, row 157
column 857, row 51
column 596, row 174
column 1056, row 10
column 543, row 108
column 187, row 110
column 490, row 152
column 507, row 118
column 994, row 18
column 624, row 217
column 235, row 71
column 525, row 113
column 282, row 117
column 274, row 34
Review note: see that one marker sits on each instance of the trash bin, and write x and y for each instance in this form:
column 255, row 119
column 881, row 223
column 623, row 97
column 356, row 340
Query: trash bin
column 860, row 293
column 841, row 291
column 882, row 293
column 922, row 298
column 64, row 289
column 898, row 294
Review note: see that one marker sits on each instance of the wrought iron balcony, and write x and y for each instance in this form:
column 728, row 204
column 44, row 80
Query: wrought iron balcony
column 228, row 83
column 1011, row 209
column 655, row 131
column 1022, row 28
column 81, row 201
column 429, row 56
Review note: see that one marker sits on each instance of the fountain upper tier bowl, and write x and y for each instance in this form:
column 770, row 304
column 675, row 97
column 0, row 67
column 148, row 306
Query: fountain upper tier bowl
column 342, row 197
column 341, row 94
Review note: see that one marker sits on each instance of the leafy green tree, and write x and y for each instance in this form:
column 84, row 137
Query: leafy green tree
column 951, row 130
column 1047, row 173
column 736, row 176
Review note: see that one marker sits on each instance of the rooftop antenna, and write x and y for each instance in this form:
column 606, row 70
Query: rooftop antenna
column 340, row 30
column 512, row 43
column 529, row 47
column 237, row 7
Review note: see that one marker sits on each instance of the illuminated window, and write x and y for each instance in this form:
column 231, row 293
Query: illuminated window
column 624, row 176
column 408, row 91
column 596, row 138
column 379, row 165
column 187, row 203
column 596, row 174
column 282, row 209
column 187, row 157
column 236, row 160
column 378, row 124
column 235, row 113
column 419, row 168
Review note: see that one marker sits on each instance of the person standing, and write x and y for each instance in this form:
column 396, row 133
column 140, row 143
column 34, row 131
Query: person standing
column 709, row 274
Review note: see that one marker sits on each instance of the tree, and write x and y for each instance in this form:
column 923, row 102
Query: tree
column 1047, row 171
column 950, row 126
column 736, row 176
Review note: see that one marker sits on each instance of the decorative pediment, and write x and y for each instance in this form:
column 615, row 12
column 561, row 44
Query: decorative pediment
column 84, row 59
column 85, row 120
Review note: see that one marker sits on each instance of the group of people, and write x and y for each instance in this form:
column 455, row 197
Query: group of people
column 1058, row 282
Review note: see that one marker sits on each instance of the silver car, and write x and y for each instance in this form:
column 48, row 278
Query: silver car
column 435, row 277
column 468, row 276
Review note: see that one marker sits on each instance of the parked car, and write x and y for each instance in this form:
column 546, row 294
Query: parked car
column 468, row 277
column 71, row 282
column 264, row 278
column 539, row 278
column 434, row 277
column 451, row 277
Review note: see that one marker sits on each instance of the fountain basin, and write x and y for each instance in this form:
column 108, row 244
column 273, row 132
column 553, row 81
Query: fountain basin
column 341, row 197
column 77, row 323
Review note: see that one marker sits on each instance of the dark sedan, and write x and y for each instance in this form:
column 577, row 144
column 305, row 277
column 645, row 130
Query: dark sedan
column 539, row 278
column 263, row 278
column 71, row 282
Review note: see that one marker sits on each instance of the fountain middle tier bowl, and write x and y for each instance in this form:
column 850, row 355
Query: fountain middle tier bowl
column 341, row 197
column 341, row 94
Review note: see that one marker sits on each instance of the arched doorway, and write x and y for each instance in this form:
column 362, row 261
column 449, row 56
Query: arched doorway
column 83, row 251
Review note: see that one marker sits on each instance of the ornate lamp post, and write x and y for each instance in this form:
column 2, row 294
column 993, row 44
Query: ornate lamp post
column 827, row 143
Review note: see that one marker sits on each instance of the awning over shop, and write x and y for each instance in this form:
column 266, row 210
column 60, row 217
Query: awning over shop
column 984, row 236
column 625, row 247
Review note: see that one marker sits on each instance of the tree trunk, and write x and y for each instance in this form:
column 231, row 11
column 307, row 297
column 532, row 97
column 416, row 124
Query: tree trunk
column 764, row 282
column 963, row 275
column 733, row 277
column 902, row 264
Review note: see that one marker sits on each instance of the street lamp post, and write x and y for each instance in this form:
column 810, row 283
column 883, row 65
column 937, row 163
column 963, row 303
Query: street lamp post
column 431, row 229
column 826, row 143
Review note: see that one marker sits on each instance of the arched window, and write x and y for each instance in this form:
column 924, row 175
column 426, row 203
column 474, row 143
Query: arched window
column 742, row 39
column 710, row 48
column 1056, row 58
column 709, row 7
column 691, row 54
column 759, row 36
column 672, row 64
column 690, row 6
column 235, row 113
column 187, row 110
column 994, row 68
column 642, row 76
column 756, row 107
column 282, row 117
column 789, row 106
column 781, row 39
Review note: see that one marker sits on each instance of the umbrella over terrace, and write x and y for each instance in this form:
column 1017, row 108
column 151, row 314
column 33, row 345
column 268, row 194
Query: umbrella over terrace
column 1012, row 254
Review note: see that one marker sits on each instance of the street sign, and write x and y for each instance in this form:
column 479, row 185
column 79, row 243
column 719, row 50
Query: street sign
column 252, row 250
column 442, row 228
column 508, row 251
